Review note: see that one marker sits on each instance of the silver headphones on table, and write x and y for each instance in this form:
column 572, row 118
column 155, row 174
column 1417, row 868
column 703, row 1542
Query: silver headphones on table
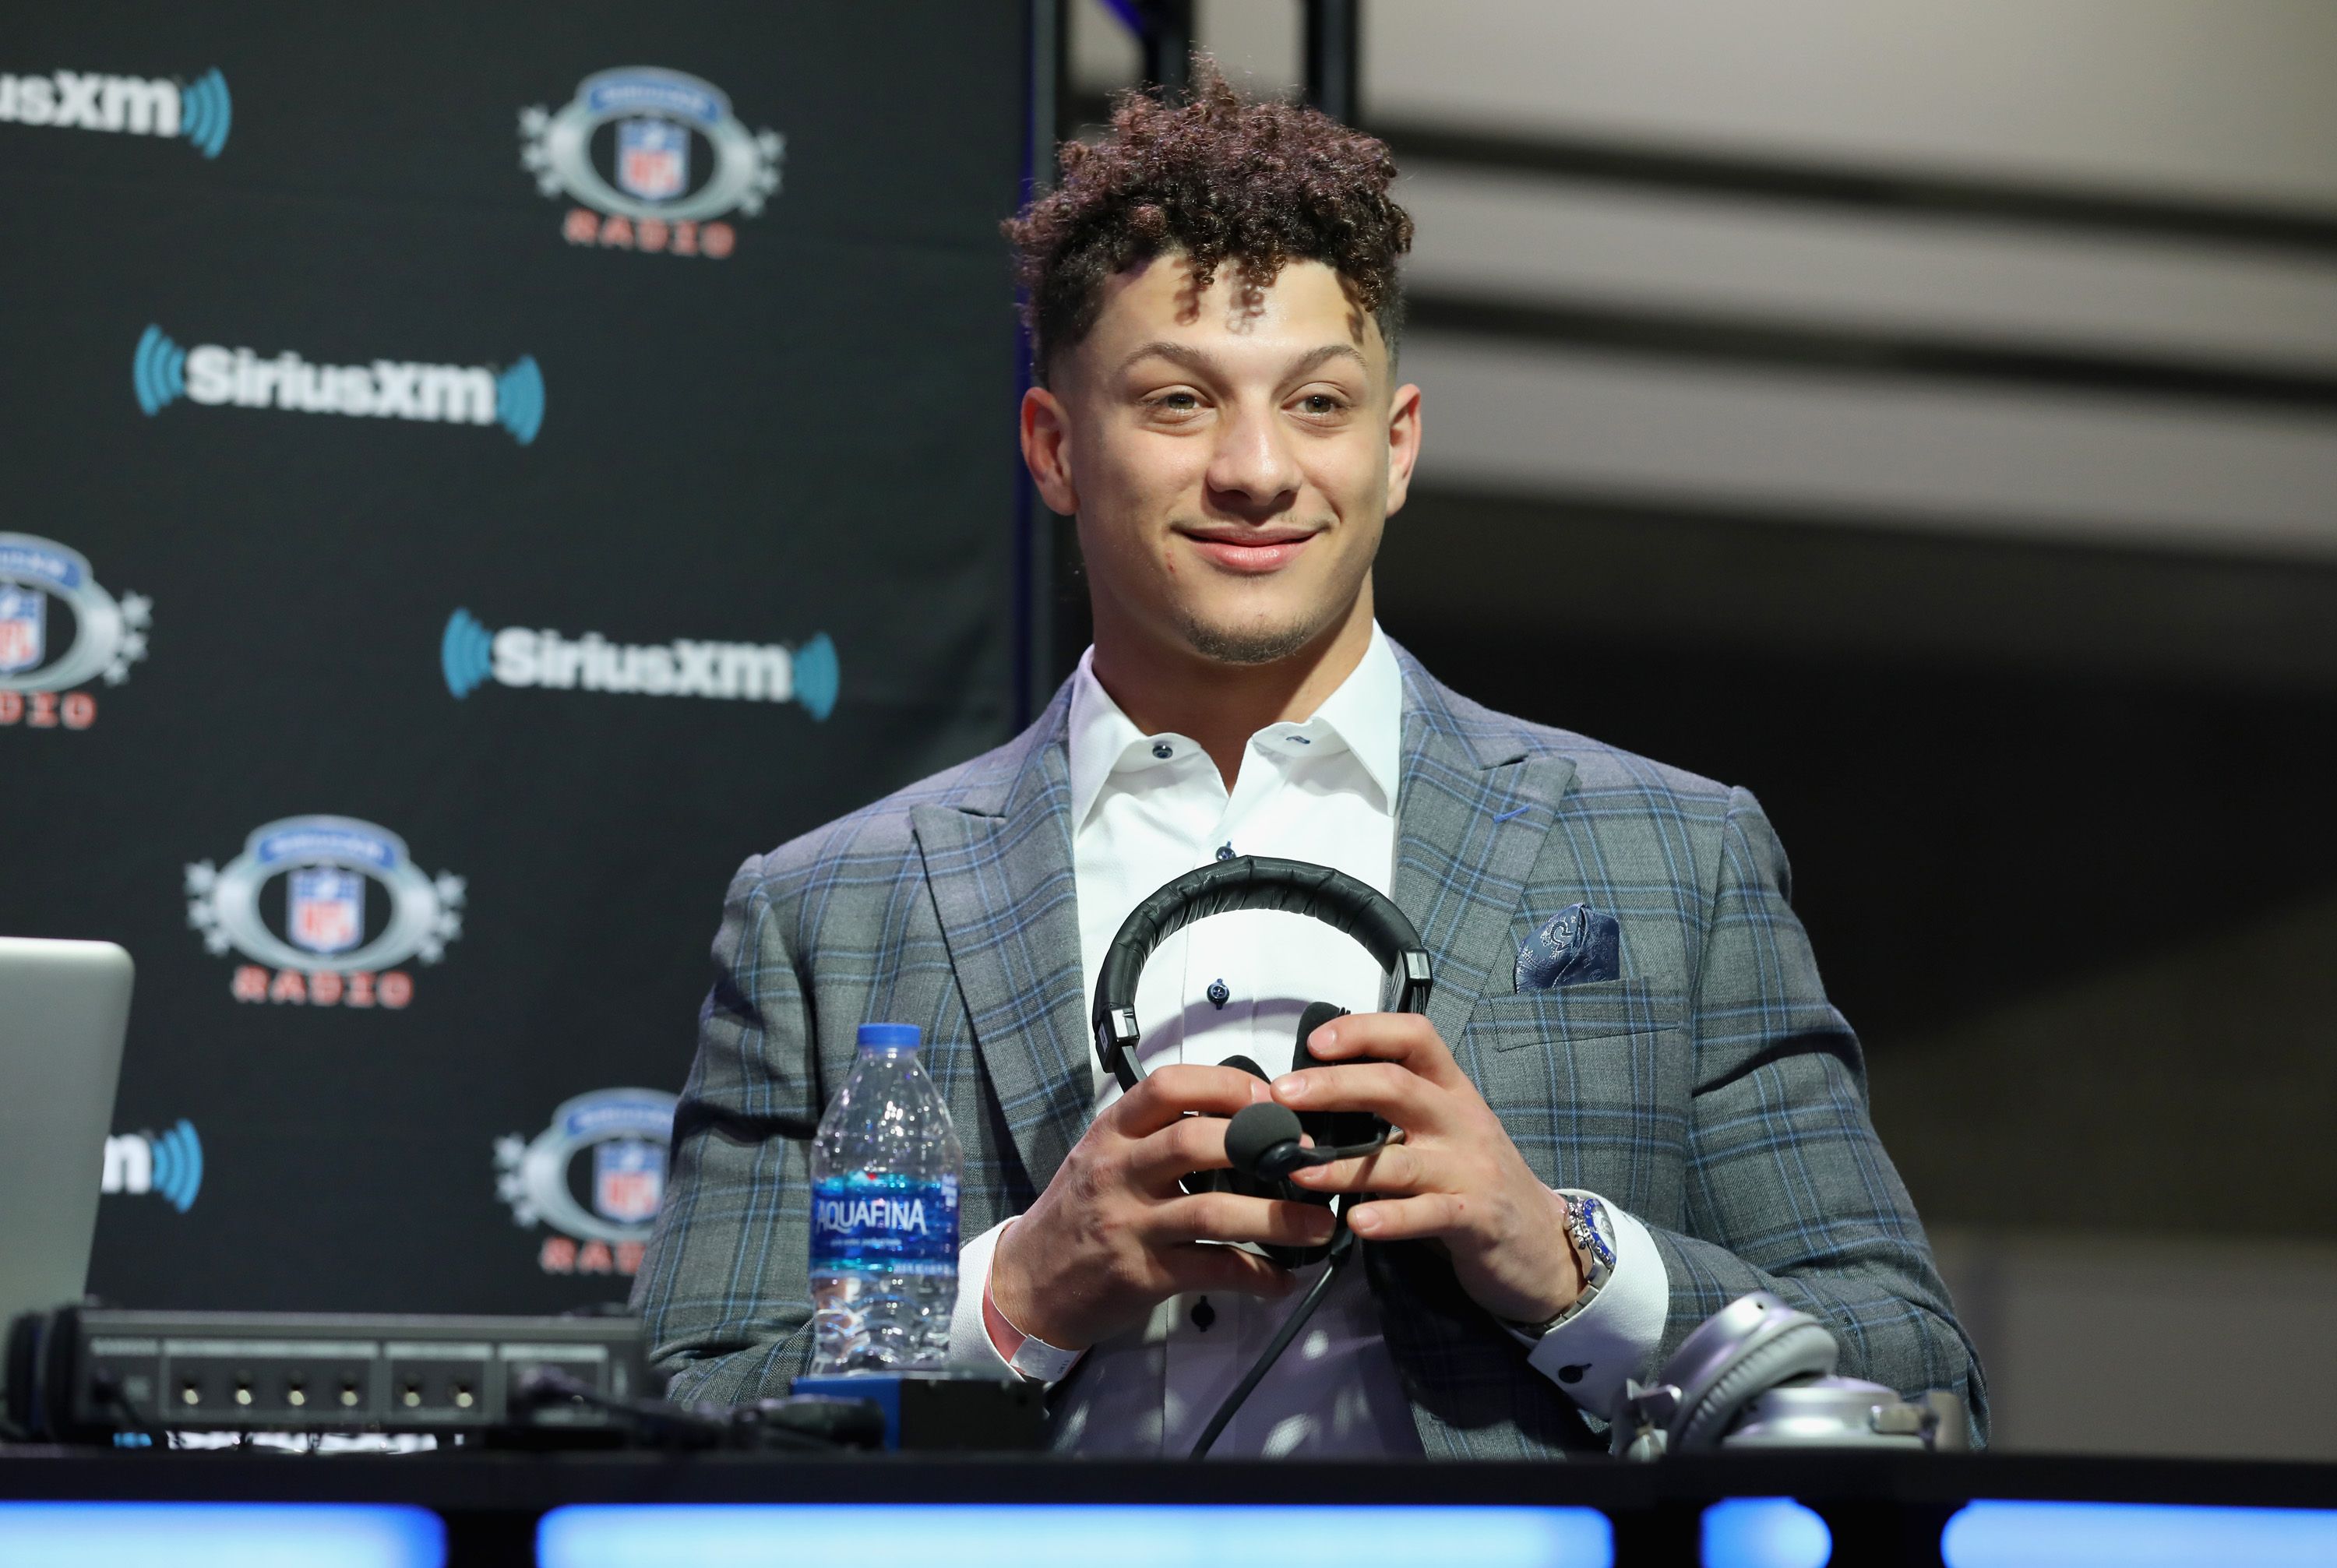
column 1757, row 1374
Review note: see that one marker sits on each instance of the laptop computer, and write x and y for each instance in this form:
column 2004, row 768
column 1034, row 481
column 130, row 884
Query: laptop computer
column 63, row 1009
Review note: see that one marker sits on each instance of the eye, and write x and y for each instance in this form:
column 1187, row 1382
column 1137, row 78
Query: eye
column 1321, row 405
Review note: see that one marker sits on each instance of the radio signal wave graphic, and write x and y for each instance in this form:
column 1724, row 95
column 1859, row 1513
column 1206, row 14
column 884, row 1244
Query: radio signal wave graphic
column 178, row 1165
column 519, row 400
column 158, row 371
column 464, row 654
column 816, row 676
column 206, row 112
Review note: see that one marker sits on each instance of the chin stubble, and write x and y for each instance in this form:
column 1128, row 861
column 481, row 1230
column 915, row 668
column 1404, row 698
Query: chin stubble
column 1264, row 645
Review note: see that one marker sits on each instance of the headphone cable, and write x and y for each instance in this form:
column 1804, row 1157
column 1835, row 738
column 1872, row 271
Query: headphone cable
column 1343, row 1248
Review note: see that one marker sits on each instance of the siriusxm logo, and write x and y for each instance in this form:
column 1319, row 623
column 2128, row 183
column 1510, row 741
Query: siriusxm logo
column 161, row 373
column 200, row 111
column 469, row 656
column 167, row 1164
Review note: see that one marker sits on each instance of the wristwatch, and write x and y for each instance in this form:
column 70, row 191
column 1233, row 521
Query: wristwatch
column 1591, row 1249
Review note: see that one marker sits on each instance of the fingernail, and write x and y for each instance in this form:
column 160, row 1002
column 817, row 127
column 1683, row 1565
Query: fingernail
column 1291, row 1087
column 1364, row 1221
column 1260, row 1089
column 1327, row 1035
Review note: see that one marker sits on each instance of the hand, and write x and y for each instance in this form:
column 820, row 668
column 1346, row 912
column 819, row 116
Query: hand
column 1113, row 1236
column 1456, row 1178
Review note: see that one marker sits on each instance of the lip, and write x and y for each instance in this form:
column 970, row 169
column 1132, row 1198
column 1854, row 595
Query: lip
column 1251, row 551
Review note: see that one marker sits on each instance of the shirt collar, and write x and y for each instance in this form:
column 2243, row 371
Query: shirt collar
column 1365, row 714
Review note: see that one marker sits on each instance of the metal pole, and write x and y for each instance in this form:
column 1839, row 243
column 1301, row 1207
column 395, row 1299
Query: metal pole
column 1169, row 44
column 1335, row 58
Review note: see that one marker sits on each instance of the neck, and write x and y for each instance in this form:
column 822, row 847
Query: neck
column 1166, row 686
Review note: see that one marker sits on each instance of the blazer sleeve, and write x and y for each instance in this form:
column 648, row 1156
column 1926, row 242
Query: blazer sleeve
column 724, row 1286
column 1789, row 1189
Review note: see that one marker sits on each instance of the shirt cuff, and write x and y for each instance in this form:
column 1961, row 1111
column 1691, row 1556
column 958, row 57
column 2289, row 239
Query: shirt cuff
column 970, row 1348
column 1592, row 1354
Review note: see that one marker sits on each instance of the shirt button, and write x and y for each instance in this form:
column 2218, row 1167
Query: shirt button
column 1162, row 750
column 1572, row 1374
column 1218, row 994
column 1204, row 1314
column 1225, row 850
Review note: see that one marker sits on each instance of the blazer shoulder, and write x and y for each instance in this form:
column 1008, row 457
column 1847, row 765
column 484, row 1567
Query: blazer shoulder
column 1602, row 771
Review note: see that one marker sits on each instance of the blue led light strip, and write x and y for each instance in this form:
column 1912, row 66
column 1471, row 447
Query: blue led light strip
column 1020, row 1536
column 219, row 1535
column 1994, row 1535
column 1765, row 1533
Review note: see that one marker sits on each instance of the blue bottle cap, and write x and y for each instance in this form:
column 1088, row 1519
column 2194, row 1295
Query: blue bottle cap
column 889, row 1036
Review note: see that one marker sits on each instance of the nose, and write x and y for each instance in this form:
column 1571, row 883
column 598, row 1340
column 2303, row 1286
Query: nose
column 1252, row 473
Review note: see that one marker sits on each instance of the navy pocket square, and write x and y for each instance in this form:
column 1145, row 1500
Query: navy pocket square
column 1575, row 944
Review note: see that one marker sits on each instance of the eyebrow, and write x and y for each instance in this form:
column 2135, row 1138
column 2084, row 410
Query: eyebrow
column 1201, row 363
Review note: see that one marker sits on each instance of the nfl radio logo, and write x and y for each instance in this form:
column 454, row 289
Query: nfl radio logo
column 328, row 909
column 628, row 1179
column 24, row 621
column 652, row 158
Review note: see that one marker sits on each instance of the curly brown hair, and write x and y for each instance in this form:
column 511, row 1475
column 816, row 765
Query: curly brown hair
column 1219, row 178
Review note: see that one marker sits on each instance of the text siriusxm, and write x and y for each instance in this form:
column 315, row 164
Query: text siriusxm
column 752, row 671
column 385, row 390
column 894, row 1216
column 87, row 101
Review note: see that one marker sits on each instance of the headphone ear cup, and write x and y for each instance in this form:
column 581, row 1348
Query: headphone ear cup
column 1803, row 1350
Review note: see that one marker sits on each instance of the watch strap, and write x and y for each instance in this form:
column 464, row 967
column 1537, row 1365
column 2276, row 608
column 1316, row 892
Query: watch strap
column 1591, row 1249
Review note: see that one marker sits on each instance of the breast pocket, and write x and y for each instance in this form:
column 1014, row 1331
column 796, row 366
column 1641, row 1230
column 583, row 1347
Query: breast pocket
column 1592, row 1083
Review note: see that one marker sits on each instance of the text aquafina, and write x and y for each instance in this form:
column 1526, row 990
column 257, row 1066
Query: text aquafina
column 884, row 1214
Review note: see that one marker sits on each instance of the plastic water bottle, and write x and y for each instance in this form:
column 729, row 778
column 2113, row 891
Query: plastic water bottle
column 884, row 1215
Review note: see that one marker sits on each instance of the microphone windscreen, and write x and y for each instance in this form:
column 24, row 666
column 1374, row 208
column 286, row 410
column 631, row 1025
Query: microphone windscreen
column 1246, row 1065
column 1256, row 1129
column 1317, row 1014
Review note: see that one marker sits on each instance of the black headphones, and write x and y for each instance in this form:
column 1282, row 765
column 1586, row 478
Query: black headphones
column 1263, row 1140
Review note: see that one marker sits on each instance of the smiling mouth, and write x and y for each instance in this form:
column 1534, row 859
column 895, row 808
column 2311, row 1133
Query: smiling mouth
column 1248, row 553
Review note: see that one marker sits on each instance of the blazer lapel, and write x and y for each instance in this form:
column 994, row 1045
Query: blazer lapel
column 1472, row 815
column 1000, row 874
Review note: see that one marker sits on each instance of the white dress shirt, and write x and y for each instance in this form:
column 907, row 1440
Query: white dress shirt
column 1145, row 809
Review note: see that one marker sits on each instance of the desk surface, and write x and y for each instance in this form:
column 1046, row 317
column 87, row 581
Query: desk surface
column 491, row 1479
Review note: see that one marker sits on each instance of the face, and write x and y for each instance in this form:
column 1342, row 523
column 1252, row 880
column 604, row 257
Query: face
column 1231, row 455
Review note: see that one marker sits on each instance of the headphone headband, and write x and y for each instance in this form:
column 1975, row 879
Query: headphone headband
column 1249, row 882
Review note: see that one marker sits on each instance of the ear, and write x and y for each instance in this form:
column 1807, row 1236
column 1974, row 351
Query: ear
column 1047, row 450
column 1403, row 444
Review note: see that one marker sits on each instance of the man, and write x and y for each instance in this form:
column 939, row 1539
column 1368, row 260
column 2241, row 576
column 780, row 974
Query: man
column 1628, row 1101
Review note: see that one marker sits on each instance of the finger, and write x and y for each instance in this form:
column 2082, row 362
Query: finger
column 1187, row 1144
column 1401, row 1037
column 1429, row 1214
column 1397, row 1170
column 1235, row 1217
column 1168, row 1093
column 1384, row 1088
column 1195, row 1266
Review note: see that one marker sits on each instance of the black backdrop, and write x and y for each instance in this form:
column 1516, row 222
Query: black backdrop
column 794, row 439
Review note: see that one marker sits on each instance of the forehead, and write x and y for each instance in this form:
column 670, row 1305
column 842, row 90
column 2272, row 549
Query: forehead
column 1306, row 307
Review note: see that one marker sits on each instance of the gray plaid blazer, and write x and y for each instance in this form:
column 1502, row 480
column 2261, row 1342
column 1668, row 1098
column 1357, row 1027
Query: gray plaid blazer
column 1712, row 1090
